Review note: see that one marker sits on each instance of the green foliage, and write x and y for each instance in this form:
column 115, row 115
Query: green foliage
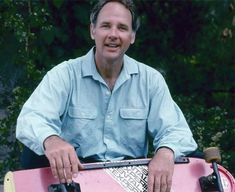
column 211, row 127
column 18, row 65
column 208, row 68
column 190, row 42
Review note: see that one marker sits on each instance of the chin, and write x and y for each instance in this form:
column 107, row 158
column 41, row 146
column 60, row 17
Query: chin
column 112, row 56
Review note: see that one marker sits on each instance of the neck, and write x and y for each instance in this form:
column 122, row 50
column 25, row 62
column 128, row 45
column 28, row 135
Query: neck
column 109, row 71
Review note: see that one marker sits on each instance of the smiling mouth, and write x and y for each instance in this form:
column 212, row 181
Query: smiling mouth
column 112, row 45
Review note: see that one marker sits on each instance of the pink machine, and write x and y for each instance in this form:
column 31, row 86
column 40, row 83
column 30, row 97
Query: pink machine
column 190, row 175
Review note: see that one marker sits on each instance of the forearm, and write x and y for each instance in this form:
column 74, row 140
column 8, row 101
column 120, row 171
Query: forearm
column 32, row 130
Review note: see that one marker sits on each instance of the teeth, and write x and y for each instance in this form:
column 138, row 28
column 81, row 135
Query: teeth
column 112, row 45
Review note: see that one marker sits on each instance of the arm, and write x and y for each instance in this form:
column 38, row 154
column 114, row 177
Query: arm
column 39, row 123
column 171, row 137
column 41, row 114
column 167, row 124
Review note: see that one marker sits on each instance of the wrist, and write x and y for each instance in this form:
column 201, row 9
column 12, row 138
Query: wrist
column 166, row 151
column 50, row 139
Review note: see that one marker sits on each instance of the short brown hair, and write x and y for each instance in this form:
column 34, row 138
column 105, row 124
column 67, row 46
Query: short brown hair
column 127, row 3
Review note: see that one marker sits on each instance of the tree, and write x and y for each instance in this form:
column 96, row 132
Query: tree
column 190, row 42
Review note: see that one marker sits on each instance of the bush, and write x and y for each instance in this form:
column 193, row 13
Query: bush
column 211, row 127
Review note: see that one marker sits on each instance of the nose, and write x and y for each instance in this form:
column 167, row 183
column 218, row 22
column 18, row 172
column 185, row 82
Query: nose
column 113, row 33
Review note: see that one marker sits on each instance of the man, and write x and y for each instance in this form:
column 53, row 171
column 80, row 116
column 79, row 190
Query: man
column 105, row 105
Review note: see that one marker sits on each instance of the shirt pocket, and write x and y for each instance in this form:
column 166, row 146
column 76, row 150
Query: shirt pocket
column 79, row 121
column 79, row 113
column 135, row 114
column 133, row 119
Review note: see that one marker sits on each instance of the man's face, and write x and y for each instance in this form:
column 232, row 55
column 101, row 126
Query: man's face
column 113, row 32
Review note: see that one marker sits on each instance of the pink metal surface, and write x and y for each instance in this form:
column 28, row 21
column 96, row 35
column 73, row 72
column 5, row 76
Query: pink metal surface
column 33, row 180
column 185, row 178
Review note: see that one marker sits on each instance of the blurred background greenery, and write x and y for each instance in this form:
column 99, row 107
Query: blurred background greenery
column 191, row 42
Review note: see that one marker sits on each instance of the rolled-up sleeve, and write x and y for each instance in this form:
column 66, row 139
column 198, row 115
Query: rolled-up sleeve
column 40, row 116
column 166, row 122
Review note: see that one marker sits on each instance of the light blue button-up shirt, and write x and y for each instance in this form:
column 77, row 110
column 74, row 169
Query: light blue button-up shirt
column 74, row 102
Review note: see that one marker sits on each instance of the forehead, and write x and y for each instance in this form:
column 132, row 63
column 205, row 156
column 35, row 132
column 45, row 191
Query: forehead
column 114, row 11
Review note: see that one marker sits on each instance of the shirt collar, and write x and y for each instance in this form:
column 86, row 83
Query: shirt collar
column 130, row 65
column 89, row 68
column 88, row 64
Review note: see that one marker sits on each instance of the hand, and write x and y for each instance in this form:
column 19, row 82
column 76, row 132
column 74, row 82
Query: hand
column 160, row 171
column 63, row 159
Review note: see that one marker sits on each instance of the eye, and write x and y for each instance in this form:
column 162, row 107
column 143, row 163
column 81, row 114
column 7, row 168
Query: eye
column 123, row 28
column 105, row 25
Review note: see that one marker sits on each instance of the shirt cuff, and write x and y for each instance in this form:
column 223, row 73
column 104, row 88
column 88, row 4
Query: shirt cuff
column 172, row 148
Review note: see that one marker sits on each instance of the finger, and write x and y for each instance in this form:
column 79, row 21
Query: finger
column 163, row 184
column 76, row 165
column 60, row 170
column 150, row 185
column 150, row 182
column 53, row 167
column 67, row 165
column 169, row 184
column 157, row 184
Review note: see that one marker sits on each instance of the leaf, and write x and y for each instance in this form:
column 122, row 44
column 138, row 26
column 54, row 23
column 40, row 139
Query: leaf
column 58, row 3
column 48, row 35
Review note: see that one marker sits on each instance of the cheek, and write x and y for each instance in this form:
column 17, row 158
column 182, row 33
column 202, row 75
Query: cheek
column 99, row 37
column 128, row 40
column 98, row 41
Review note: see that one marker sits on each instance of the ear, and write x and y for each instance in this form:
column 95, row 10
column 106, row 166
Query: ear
column 92, row 31
column 133, row 37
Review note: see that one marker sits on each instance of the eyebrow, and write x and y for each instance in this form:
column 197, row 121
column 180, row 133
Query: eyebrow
column 120, row 24
column 105, row 23
column 124, row 25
